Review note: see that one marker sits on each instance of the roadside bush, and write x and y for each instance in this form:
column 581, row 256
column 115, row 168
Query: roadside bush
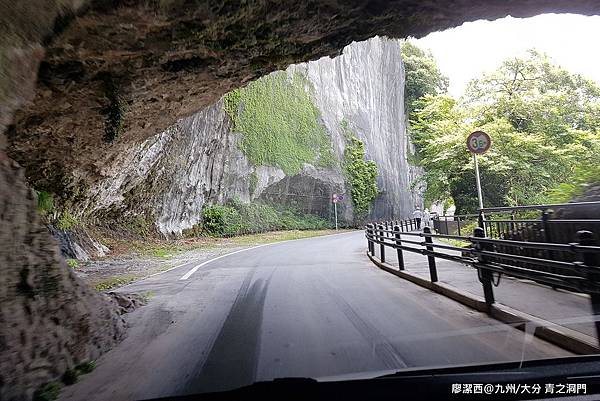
column 221, row 220
column 236, row 218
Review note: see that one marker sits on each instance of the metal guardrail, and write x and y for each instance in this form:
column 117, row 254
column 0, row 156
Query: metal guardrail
column 526, row 223
column 492, row 256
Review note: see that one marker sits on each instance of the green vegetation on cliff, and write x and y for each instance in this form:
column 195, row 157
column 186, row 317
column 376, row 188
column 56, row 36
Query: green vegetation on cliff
column 235, row 218
column 361, row 174
column 279, row 123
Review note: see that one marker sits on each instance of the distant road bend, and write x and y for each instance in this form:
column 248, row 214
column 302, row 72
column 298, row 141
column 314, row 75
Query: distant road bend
column 315, row 307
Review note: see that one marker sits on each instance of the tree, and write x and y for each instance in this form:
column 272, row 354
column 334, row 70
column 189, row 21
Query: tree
column 423, row 77
column 544, row 123
column 536, row 95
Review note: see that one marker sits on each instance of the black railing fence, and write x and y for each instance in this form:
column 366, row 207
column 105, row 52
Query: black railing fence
column 527, row 248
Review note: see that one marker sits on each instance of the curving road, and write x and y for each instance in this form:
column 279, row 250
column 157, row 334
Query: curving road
column 312, row 308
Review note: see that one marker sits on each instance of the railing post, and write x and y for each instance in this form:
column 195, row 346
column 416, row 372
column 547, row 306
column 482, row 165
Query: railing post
column 430, row 258
column 481, row 221
column 546, row 226
column 586, row 238
column 369, row 242
column 381, row 246
column 458, row 225
column 398, row 250
column 485, row 276
column 546, row 231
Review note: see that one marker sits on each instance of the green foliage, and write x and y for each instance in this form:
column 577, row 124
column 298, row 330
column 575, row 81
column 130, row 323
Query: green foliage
column 47, row 392
column 221, row 221
column 231, row 104
column 361, row 175
column 279, row 123
column 70, row 377
column 423, row 77
column 72, row 263
column 535, row 95
column 66, row 221
column 114, row 282
column 237, row 218
column 45, row 204
column 543, row 122
column 253, row 182
column 86, row 367
column 161, row 253
column 584, row 177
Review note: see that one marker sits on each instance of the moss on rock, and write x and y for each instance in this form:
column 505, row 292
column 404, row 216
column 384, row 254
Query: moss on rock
column 279, row 123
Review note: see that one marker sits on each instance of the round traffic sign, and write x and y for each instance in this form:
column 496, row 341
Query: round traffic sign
column 479, row 142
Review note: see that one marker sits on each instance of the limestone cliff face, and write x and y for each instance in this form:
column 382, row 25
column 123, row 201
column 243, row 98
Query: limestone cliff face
column 171, row 176
column 365, row 88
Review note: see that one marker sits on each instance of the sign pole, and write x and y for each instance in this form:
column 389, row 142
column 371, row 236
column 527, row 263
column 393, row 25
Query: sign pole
column 335, row 208
column 478, row 143
column 479, row 193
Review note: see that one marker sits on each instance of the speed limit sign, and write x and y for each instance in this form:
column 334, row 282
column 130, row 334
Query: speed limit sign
column 479, row 142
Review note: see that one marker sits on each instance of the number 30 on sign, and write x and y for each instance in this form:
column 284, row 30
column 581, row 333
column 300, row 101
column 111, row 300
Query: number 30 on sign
column 479, row 142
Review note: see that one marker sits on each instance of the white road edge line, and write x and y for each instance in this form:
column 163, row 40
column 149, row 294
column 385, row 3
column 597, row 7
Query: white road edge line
column 195, row 268
column 169, row 269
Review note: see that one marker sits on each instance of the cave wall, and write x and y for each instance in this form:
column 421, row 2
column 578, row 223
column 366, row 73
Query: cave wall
column 49, row 319
column 116, row 72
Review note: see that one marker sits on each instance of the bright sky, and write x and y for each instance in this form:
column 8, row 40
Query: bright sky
column 465, row 52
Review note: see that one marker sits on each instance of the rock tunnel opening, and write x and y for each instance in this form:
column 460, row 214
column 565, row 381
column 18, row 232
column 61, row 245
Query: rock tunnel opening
column 62, row 102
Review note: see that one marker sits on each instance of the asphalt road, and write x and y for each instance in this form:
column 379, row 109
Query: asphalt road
column 308, row 308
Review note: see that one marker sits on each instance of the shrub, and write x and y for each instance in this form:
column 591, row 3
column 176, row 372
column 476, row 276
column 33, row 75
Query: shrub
column 86, row 367
column 66, row 221
column 220, row 220
column 70, row 377
column 235, row 218
column 47, row 392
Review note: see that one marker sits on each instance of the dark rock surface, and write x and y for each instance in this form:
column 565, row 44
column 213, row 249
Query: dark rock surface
column 127, row 302
column 49, row 319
